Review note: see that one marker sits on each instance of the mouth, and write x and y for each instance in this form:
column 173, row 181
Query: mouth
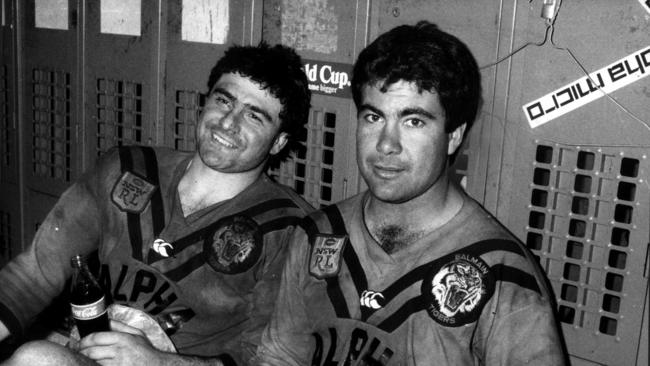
column 219, row 139
column 387, row 171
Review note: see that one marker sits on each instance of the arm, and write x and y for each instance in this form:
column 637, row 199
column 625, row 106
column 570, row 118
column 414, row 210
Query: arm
column 125, row 345
column 287, row 339
column 527, row 336
column 524, row 329
column 33, row 278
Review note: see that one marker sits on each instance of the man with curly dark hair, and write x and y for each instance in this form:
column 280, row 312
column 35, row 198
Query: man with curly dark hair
column 194, row 240
column 412, row 271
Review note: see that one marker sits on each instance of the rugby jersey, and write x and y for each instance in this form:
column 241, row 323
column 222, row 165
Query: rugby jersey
column 209, row 278
column 466, row 294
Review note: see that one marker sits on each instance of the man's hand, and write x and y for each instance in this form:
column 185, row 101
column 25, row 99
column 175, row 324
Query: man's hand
column 124, row 345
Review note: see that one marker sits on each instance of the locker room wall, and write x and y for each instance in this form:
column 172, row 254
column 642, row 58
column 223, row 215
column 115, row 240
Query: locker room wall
column 574, row 189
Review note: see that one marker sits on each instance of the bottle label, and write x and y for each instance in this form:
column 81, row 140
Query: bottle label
column 89, row 311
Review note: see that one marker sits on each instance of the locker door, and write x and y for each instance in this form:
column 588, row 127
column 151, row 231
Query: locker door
column 9, row 192
column 51, row 79
column 327, row 35
column 574, row 187
column 50, row 98
column 122, row 75
column 8, row 132
column 197, row 34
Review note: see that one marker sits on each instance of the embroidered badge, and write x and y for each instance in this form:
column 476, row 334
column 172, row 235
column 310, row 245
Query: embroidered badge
column 457, row 288
column 131, row 193
column 234, row 246
column 326, row 254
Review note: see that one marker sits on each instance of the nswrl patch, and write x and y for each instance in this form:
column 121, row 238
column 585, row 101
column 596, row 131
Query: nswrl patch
column 457, row 288
column 131, row 193
column 326, row 254
column 234, row 246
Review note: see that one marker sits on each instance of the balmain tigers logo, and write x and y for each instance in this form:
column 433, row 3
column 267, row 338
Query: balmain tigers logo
column 234, row 246
column 457, row 289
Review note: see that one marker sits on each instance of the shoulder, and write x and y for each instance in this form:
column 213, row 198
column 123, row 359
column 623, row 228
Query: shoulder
column 332, row 219
column 282, row 196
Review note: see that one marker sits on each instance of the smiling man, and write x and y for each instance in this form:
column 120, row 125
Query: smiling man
column 195, row 240
column 411, row 271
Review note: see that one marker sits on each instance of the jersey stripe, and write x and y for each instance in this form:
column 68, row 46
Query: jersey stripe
column 412, row 306
column 516, row 276
column 133, row 219
column 157, row 207
column 198, row 260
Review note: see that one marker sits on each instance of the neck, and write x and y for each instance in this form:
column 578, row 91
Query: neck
column 202, row 186
column 396, row 225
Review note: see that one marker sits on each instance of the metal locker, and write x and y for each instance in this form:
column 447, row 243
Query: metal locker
column 122, row 75
column 327, row 35
column 10, row 243
column 8, row 91
column 50, row 85
column 51, row 93
column 572, row 181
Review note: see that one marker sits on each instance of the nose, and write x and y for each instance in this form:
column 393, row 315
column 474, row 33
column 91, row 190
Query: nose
column 230, row 121
column 389, row 140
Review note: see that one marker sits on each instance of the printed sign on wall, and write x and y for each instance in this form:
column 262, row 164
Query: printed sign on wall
column 329, row 78
column 52, row 14
column 121, row 17
column 205, row 21
column 588, row 88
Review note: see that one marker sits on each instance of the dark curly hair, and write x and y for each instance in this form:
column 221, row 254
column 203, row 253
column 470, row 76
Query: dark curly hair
column 277, row 69
column 432, row 59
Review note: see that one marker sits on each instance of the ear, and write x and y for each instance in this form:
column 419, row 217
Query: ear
column 280, row 141
column 455, row 139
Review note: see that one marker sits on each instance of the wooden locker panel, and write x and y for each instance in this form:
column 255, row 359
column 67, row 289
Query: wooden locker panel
column 327, row 35
column 122, row 76
column 574, row 189
column 188, row 64
column 50, row 83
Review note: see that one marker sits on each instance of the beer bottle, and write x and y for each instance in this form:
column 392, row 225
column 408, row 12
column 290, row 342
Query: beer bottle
column 87, row 299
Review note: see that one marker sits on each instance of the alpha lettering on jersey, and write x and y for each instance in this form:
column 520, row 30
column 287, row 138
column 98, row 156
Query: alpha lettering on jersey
column 361, row 350
column 326, row 254
column 140, row 289
column 457, row 288
column 234, row 246
column 131, row 193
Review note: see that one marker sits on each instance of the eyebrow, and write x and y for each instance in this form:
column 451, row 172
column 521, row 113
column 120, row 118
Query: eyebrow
column 404, row 112
column 252, row 107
